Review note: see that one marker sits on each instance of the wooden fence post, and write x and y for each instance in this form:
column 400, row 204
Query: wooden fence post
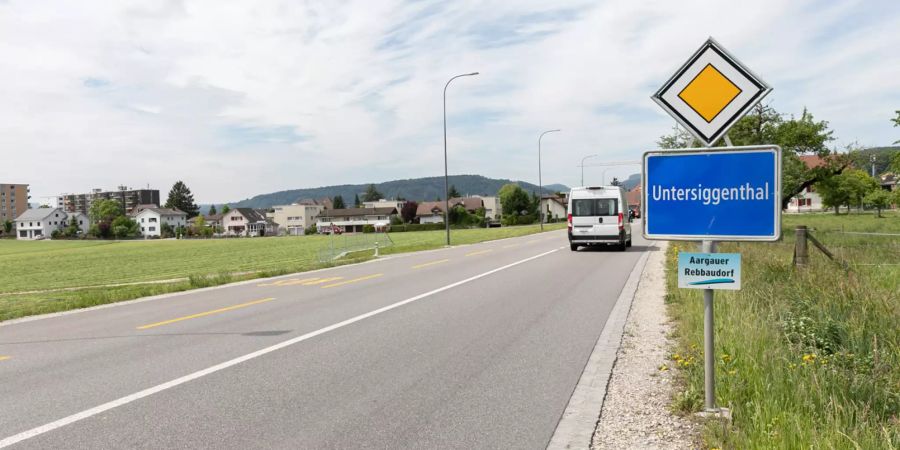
column 801, row 251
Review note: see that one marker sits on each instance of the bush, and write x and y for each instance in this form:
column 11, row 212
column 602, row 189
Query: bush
column 368, row 229
column 311, row 229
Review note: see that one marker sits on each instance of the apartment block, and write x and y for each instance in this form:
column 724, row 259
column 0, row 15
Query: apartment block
column 13, row 201
column 127, row 197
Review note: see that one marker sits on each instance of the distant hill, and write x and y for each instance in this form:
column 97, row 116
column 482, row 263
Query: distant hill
column 419, row 189
column 632, row 181
column 862, row 158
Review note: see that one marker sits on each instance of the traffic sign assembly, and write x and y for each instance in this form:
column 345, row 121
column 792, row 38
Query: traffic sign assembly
column 731, row 194
column 710, row 92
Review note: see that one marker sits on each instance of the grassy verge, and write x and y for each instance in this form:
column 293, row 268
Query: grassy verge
column 87, row 265
column 804, row 358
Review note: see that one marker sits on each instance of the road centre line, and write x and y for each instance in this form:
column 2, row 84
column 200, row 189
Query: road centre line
column 288, row 282
column 321, row 281
column 206, row 313
column 37, row 431
column 355, row 280
column 481, row 252
column 433, row 263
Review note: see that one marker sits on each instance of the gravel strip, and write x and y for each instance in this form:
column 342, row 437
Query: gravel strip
column 636, row 412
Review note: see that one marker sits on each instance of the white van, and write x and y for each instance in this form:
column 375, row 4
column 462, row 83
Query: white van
column 598, row 215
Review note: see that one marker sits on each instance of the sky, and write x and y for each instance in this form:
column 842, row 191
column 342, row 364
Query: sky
column 244, row 98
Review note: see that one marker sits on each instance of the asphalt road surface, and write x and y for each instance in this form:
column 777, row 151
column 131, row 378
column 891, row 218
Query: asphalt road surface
column 476, row 346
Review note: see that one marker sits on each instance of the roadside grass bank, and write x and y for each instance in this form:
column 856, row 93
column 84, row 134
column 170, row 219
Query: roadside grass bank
column 805, row 358
column 89, row 266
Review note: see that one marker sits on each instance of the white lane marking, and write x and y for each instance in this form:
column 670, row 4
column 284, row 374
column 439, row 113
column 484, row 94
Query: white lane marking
column 201, row 373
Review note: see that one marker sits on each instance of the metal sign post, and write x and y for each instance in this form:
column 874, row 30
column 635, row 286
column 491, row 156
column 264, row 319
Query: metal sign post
column 710, row 195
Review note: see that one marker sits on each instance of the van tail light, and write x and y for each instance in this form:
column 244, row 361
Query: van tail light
column 569, row 221
column 621, row 221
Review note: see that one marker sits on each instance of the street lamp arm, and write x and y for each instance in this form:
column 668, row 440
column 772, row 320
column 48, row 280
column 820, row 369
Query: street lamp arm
column 446, row 175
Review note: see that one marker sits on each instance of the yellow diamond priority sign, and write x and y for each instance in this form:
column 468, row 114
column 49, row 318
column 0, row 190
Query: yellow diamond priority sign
column 711, row 92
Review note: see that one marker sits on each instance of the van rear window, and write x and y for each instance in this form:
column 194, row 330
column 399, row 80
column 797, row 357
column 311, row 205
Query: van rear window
column 595, row 207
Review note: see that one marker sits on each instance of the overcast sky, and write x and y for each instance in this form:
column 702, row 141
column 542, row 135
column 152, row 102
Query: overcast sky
column 243, row 98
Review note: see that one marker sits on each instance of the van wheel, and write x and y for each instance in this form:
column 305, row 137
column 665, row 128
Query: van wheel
column 622, row 246
column 628, row 244
column 573, row 247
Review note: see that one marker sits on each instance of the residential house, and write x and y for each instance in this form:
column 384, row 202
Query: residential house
column 385, row 204
column 354, row 219
column 151, row 220
column 213, row 221
column 296, row 218
column 808, row 200
column 433, row 212
column 554, row 207
column 325, row 203
column 40, row 223
column 13, row 201
column 492, row 208
column 81, row 220
column 244, row 222
column 127, row 197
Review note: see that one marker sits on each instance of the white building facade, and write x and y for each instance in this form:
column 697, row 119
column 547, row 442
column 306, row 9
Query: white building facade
column 151, row 220
column 40, row 223
column 294, row 219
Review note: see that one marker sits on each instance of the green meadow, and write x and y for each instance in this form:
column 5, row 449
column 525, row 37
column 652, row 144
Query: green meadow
column 805, row 358
column 49, row 276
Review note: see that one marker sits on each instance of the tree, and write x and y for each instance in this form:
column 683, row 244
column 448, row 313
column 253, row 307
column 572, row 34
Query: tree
column 166, row 231
column 517, row 205
column 123, row 226
column 105, row 211
column 408, row 212
column 453, row 193
column 225, row 209
column 895, row 163
column 372, row 194
column 7, row 226
column 338, row 202
column 878, row 199
column 680, row 138
column 199, row 225
column 356, row 202
column 848, row 188
column 180, row 198
column 212, row 210
column 44, row 206
column 896, row 121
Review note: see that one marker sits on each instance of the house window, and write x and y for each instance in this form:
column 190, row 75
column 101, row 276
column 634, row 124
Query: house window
column 152, row 228
column 152, row 220
column 23, row 233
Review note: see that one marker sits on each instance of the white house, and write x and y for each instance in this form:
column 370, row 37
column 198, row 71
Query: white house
column 39, row 223
column 553, row 207
column 385, row 204
column 492, row 208
column 244, row 222
column 151, row 220
column 354, row 219
column 81, row 220
column 808, row 200
column 294, row 219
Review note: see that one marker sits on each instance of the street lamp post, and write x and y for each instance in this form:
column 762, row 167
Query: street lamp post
column 540, row 182
column 582, row 167
column 446, row 177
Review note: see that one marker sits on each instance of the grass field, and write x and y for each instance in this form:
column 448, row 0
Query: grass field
column 48, row 265
column 805, row 358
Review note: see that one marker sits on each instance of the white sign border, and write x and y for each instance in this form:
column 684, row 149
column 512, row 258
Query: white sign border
column 713, row 237
column 715, row 46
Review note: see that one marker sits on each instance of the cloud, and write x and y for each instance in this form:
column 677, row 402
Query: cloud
column 241, row 98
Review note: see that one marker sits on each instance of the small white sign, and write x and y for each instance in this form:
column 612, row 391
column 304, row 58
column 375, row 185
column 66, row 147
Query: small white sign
column 710, row 92
column 709, row 271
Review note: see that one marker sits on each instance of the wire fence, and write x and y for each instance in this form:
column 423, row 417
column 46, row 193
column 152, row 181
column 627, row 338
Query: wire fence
column 856, row 248
column 341, row 245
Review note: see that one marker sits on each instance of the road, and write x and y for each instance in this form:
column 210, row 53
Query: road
column 475, row 346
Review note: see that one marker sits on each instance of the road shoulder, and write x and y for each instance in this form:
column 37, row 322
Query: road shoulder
column 636, row 412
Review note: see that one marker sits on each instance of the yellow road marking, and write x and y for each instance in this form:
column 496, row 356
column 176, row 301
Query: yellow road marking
column 4, row 358
column 479, row 253
column 288, row 282
column 322, row 281
column 355, row 280
column 440, row 261
column 207, row 313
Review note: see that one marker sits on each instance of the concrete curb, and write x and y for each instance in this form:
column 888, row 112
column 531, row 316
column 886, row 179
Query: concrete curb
column 579, row 420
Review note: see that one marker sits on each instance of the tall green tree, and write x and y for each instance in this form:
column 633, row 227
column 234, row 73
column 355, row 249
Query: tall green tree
column 225, row 209
column 372, row 194
column 878, row 199
column 356, row 202
column 180, row 198
column 7, row 226
column 849, row 188
column 338, row 202
column 212, row 210
column 795, row 136
column 105, row 211
column 517, row 205
column 453, row 192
